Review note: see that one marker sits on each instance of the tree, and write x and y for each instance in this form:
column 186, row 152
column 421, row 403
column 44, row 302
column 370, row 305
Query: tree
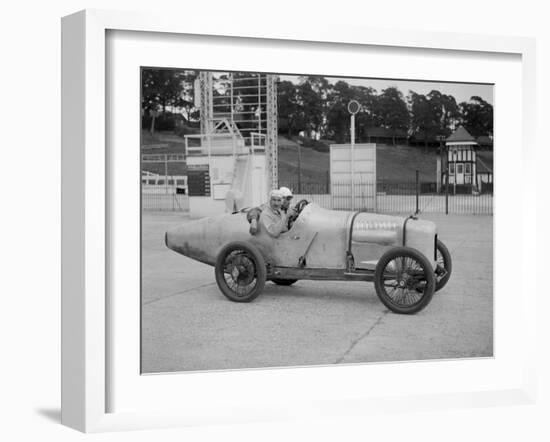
column 312, row 99
column 451, row 114
column 161, row 88
column 392, row 110
column 445, row 111
column 322, row 87
column 337, row 114
column 289, row 110
column 186, row 99
column 369, row 116
column 433, row 114
column 338, row 117
column 422, row 119
column 477, row 116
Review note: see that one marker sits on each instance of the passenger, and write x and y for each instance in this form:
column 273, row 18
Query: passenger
column 273, row 219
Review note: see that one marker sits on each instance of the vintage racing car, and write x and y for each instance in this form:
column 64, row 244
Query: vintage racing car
column 401, row 255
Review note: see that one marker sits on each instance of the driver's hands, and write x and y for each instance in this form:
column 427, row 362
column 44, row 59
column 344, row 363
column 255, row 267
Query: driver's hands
column 253, row 226
column 291, row 216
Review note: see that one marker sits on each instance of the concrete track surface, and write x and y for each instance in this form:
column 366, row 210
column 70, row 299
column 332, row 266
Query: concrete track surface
column 187, row 324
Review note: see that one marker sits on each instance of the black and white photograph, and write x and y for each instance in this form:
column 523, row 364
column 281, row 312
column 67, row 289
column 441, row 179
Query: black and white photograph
column 303, row 220
column 277, row 222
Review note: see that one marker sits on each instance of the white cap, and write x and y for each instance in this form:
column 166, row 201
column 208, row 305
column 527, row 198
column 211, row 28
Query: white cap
column 275, row 193
column 285, row 191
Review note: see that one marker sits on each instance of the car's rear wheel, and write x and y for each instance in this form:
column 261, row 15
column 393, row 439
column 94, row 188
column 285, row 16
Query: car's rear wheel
column 444, row 266
column 286, row 282
column 240, row 272
column 404, row 280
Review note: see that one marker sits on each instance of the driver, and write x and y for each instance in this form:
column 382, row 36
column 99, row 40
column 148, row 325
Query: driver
column 291, row 212
column 287, row 198
column 273, row 218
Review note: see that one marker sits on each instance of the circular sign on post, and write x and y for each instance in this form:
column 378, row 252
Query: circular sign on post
column 354, row 107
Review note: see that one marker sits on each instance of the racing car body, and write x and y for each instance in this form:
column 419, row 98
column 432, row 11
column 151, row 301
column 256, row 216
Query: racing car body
column 321, row 244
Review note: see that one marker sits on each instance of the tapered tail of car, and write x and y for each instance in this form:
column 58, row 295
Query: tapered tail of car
column 191, row 240
column 203, row 239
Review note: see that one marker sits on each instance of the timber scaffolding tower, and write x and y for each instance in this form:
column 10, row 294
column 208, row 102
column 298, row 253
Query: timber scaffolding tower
column 248, row 101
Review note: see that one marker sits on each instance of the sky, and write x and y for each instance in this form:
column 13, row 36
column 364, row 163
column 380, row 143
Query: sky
column 461, row 91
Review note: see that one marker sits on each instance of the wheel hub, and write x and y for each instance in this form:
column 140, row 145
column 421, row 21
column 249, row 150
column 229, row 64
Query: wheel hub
column 236, row 273
column 241, row 272
column 407, row 281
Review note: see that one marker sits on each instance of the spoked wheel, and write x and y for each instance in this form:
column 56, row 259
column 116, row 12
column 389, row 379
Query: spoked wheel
column 286, row 282
column 240, row 272
column 444, row 266
column 404, row 280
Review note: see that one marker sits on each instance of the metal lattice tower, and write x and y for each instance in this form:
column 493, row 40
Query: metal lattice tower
column 249, row 102
column 206, row 109
column 271, row 142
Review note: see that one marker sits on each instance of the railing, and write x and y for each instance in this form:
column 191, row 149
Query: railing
column 162, row 157
column 393, row 197
column 260, row 138
column 206, row 142
column 165, row 202
column 163, row 173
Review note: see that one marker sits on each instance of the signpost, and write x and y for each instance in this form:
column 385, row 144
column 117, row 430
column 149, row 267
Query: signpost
column 353, row 108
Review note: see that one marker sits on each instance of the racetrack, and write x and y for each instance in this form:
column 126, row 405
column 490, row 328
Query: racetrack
column 187, row 324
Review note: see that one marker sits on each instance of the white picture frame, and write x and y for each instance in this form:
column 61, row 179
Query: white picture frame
column 85, row 213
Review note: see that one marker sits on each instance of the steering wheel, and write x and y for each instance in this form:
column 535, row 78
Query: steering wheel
column 297, row 210
column 300, row 206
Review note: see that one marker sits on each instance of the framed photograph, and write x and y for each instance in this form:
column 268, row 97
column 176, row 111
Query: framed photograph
column 284, row 225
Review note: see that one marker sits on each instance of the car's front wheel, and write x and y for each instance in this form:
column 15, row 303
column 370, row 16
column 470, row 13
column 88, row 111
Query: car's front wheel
column 240, row 271
column 404, row 280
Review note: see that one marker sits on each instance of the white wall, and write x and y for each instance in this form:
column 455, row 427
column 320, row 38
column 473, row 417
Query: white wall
column 357, row 166
column 30, row 217
column 363, row 159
